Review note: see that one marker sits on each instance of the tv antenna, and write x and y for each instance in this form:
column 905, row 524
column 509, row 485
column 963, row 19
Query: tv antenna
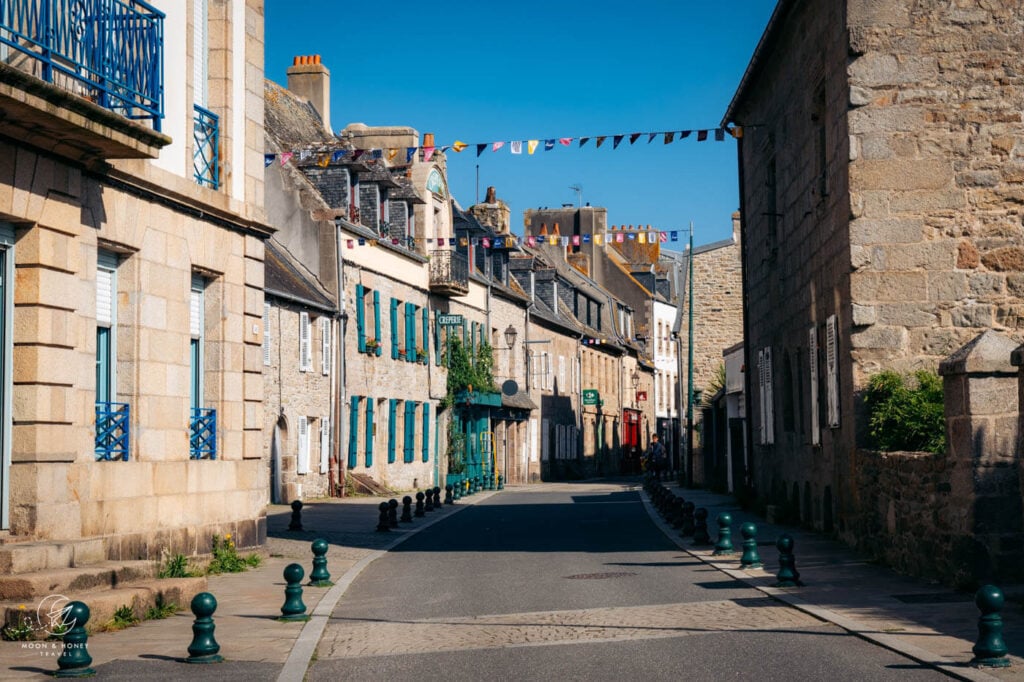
column 579, row 194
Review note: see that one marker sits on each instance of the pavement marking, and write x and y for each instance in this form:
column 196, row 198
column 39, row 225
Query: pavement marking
column 305, row 646
column 356, row 638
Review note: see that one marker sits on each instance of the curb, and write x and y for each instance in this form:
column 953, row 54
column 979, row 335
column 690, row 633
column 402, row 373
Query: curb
column 944, row 665
column 297, row 665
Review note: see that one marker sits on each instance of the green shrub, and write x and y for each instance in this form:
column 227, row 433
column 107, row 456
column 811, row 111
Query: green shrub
column 124, row 617
column 177, row 567
column 161, row 609
column 21, row 630
column 906, row 414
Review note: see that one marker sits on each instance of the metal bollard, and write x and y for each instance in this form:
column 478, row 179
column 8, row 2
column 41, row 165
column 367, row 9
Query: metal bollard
column 74, row 660
column 293, row 608
column 448, row 499
column 788, row 576
column 319, row 576
column 750, row 557
column 393, row 513
column 383, row 526
column 724, row 544
column 203, row 648
column 700, row 527
column 296, row 520
column 406, row 510
column 990, row 649
column 419, row 504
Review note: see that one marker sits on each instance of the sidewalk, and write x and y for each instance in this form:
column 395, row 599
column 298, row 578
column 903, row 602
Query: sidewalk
column 926, row 622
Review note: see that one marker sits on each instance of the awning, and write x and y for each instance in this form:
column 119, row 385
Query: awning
column 518, row 401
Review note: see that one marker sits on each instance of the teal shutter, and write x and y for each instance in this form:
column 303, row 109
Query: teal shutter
column 392, row 430
column 483, row 334
column 410, row 332
column 376, row 320
column 369, row 432
column 425, row 325
column 409, row 430
column 360, row 318
column 472, row 342
column 426, row 432
column 353, row 431
column 437, row 340
column 394, row 328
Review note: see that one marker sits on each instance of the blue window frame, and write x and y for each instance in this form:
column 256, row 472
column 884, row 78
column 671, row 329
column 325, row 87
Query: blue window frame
column 369, row 433
column 409, row 430
column 376, row 320
column 394, row 328
column 353, row 432
column 360, row 318
column 426, row 432
column 392, row 429
column 410, row 332
column 206, row 149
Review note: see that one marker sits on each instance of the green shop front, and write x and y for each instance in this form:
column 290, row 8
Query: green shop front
column 475, row 415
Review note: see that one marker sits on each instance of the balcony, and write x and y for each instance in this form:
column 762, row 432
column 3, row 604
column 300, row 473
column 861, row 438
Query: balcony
column 203, row 433
column 206, row 157
column 112, row 420
column 449, row 273
column 83, row 78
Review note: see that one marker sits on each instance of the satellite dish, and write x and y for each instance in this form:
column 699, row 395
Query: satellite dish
column 510, row 387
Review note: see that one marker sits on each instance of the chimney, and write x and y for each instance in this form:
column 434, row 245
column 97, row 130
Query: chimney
column 311, row 80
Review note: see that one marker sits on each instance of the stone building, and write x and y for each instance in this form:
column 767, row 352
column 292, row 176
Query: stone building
column 881, row 170
column 131, row 211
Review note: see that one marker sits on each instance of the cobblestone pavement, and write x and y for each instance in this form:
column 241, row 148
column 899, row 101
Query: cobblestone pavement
column 349, row 638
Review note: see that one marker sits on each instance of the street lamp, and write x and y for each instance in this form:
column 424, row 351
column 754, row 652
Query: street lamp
column 510, row 336
column 636, row 379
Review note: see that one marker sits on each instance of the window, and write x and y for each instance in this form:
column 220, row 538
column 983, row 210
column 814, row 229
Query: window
column 370, row 432
column 409, row 431
column 353, row 432
column 305, row 344
column 394, row 329
column 392, row 429
column 106, row 313
column 325, row 345
column 203, row 420
column 302, row 449
column 425, row 435
column 196, row 311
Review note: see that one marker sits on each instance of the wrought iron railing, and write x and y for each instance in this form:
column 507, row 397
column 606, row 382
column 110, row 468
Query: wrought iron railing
column 203, row 433
column 448, row 268
column 206, row 157
column 108, row 51
column 112, row 431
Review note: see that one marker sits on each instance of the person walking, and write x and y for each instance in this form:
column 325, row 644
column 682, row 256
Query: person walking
column 657, row 456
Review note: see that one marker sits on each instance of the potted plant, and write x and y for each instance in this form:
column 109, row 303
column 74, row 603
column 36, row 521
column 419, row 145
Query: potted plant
column 421, row 355
column 372, row 346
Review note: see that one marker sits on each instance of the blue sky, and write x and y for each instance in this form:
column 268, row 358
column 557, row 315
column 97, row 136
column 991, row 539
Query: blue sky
column 486, row 72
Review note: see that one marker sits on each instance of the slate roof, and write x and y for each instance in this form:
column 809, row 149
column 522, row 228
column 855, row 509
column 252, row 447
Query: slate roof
column 292, row 123
column 286, row 279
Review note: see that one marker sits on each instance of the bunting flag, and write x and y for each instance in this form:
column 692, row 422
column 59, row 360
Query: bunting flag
column 642, row 238
column 531, row 241
column 513, row 241
column 324, row 157
column 598, row 239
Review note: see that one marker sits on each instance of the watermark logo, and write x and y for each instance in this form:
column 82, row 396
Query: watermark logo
column 54, row 615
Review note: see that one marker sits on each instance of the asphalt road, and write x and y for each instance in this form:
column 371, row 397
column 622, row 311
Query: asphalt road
column 574, row 582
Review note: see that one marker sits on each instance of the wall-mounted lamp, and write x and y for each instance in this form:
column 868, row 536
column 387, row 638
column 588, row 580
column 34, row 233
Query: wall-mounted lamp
column 510, row 336
column 636, row 379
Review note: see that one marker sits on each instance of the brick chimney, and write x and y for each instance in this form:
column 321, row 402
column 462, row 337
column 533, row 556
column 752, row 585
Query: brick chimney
column 311, row 80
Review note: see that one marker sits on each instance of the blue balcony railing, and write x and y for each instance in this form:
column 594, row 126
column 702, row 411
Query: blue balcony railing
column 112, row 432
column 203, row 433
column 108, row 51
column 205, row 157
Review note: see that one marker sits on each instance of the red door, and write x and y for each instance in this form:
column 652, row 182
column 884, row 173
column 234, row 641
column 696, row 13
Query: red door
column 631, row 441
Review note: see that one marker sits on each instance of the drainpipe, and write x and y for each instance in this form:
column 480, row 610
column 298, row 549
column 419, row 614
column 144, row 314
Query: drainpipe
column 340, row 424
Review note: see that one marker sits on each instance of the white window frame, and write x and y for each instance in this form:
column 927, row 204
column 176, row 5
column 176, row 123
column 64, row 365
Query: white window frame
column 305, row 343
column 766, row 394
column 106, row 308
column 266, row 334
column 832, row 369
column 325, row 444
column 812, row 358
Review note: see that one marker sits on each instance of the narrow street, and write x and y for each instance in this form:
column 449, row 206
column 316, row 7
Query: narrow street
column 573, row 581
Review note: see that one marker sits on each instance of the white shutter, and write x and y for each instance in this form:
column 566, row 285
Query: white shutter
column 325, row 444
column 325, row 344
column 196, row 307
column 104, row 297
column 761, row 411
column 266, row 333
column 305, row 349
column 199, row 57
column 562, row 388
column 831, row 366
column 812, row 357
column 302, row 452
column 769, row 384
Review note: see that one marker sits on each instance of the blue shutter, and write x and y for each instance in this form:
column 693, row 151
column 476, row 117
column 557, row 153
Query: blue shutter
column 394, row 328
column 408, row 431
column 392, row 431
column 360, row 318
column 410, row 332
column 425, row 324
column 369, row 432
column 426, row 432
column 376, row 320
column 353, row 431
column 472, row 342
column 437, row 340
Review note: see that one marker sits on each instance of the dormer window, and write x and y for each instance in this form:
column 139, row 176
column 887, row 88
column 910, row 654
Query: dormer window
column 369, row 205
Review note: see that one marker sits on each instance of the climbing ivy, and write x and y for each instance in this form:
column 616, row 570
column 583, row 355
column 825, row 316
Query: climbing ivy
column 466, row 370
column 906, row 413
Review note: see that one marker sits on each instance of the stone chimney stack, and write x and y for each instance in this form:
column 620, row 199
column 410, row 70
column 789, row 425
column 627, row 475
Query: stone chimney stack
column 737, row 227
column 311, row 80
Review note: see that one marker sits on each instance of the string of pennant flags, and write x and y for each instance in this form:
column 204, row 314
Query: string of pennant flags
column 516, row 147
column 513, row 241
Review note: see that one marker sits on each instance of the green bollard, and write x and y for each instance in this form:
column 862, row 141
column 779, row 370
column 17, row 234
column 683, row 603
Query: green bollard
column 724, row 544
column 296, row 520
column 204, row 648
column 990, row 650
column 501, row 482
column 788, row 576
column 750, row 557
column 74, row 660
column 293, row 609
column 319, row 576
